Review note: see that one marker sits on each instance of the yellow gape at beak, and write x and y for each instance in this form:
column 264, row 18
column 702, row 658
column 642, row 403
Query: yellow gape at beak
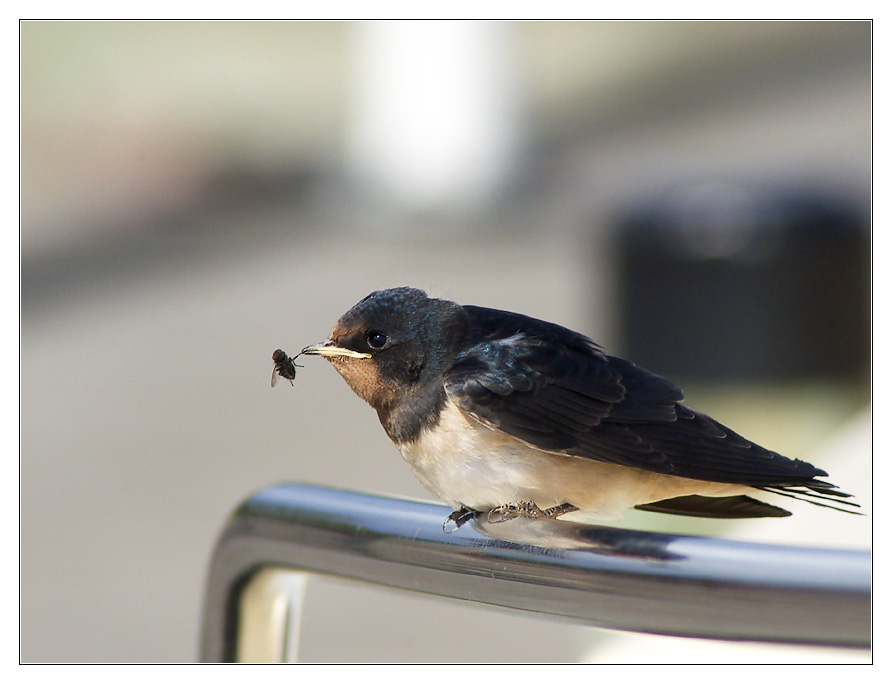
column 329, row 348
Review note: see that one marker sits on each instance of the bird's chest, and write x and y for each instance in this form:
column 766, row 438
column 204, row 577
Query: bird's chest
column 467, row 464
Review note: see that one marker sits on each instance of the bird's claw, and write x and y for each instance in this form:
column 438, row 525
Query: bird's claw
column 526, row 509
column 458, row 518
column 505, row 512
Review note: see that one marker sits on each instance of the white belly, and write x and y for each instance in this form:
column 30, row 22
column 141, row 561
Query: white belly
column 465, row 463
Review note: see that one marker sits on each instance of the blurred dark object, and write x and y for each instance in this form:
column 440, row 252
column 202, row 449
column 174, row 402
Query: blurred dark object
column 721, row 283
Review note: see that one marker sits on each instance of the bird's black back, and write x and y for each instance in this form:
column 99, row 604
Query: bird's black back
column 555, row 389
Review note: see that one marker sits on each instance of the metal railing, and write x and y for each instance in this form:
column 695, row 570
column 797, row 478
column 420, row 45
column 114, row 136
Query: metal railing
column 593, row 575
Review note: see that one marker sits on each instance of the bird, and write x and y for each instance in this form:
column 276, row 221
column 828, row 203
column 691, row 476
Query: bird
column 505, row 415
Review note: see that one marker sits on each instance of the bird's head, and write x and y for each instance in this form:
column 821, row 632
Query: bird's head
column 391, row 342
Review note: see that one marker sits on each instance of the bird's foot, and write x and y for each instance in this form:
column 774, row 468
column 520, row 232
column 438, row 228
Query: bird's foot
column 458, row 518
column 526, row 509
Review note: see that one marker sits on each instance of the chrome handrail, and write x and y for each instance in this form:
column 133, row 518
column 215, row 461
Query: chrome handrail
column 593, row 575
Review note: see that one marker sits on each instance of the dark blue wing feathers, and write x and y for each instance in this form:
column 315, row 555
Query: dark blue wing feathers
column 556, row 390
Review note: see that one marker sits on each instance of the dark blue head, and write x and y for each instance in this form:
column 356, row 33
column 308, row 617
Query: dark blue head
column 391, row 342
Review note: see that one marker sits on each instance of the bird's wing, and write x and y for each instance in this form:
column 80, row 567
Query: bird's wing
column 562, row 394
column 727, row 507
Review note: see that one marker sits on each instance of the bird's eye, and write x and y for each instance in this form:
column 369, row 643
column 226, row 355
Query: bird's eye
column 376, row 339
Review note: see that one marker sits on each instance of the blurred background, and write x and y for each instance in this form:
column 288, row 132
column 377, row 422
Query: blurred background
column 693, row 195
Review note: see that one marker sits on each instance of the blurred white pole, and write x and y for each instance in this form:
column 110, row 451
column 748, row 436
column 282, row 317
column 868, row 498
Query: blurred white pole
column 434, row 119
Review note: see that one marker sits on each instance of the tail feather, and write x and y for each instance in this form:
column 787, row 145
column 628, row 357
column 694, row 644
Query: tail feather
column 814, row 490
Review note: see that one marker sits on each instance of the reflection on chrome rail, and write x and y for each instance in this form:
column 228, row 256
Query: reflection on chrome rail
column 594, row 575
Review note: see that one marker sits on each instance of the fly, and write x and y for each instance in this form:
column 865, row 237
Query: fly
column 284, row 366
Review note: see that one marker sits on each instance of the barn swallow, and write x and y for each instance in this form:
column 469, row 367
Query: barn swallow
column 508, row 416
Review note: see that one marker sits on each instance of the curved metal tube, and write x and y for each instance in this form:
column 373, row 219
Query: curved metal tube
column 598, row 576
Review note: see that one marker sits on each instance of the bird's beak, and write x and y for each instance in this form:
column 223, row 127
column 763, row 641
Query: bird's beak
column 330, row 349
